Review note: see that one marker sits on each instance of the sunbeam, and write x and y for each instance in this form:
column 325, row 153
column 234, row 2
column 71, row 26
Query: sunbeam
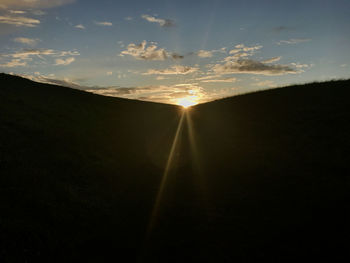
column 156, row 206
column 196, row 164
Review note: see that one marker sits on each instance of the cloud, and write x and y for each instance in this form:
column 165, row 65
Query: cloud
column 14, row 63
column 27, row 41
column 204, row 54
column 128, row 18
column 271, row 60
column 26, row 53
column 80, row 26
column 17, row 12
column 300, row 66
column 104, row 23
column 161, row 22
column 293, row 41
column 22, row 58
column 151, row 52
column 64, row 62
column 249, row 66
column 160, row 93
column 215, row 78
column 243, row 48
column 174, row 70
column 266, row 83
column 19, row 21
column 238, row 63
column 6, row 4
column 225, row 80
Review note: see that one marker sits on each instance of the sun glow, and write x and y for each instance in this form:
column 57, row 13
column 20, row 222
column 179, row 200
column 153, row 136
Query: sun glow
column 188, row 101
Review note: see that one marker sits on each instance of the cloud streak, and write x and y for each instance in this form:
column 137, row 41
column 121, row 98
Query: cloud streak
column 14, row 63
column 249, row 66
column 22, row 58
column 103, row 23
column 33, row 3
column 174, row 70
column 225, row 80
column 80, row 26
column 271, row 60
column 294, row 41
column 64, row 62
column 204, row 54
column 19, row 21
column 160, row 21
column 26, row 41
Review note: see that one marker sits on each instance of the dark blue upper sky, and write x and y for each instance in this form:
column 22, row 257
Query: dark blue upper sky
column 169, row 50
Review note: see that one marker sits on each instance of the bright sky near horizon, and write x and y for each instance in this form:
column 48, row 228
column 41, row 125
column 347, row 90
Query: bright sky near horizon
column 168, row 50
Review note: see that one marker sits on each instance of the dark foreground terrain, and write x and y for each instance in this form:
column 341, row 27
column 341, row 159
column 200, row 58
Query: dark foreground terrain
column 262, row 177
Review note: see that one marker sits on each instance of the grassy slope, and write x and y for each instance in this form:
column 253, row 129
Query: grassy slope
column 267, row 179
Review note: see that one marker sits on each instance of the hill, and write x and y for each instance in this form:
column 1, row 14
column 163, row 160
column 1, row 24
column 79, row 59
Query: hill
column 262, row 177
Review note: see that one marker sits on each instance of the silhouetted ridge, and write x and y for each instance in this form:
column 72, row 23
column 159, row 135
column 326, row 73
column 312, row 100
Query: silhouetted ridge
column 261, row 177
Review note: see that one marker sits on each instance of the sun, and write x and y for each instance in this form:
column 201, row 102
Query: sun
column 187, row 101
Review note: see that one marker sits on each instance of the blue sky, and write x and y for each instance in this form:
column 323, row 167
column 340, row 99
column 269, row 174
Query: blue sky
column 169, row 50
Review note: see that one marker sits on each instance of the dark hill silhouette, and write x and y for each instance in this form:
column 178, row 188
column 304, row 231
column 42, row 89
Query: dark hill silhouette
column 262, row 177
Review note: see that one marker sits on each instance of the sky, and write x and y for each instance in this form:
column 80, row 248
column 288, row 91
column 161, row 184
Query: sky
column 171, row 50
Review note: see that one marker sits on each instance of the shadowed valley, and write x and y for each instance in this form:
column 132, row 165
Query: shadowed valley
column 261, row 177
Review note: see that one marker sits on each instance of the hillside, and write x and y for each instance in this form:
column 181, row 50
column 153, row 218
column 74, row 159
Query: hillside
column 262, row 177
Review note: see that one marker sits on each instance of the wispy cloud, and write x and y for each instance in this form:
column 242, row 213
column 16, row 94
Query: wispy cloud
column 64, row 62
column 265, row 83
column 26, row 41
column 271, row 60
column 205, row 54
column 19, row 21
column 215, row 78
column 243, row 48
column 80, row 26
column 224, row 80
column 14, row 63
column 26, row 53
column 209, row 53
column 151, row 52
column 17, row 12
column 33, row 3
column 104, row 23
column 293, row 41
column 159, row 93
column 249, row 66
column 174, row 70
column 22, row 58
column 160, row 21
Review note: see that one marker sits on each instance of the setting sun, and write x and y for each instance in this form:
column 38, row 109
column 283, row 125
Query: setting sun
column 187, row 101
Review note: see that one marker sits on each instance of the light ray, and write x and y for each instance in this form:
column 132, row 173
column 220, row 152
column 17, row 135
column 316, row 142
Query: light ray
column 198, row 172
column 164, row 178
